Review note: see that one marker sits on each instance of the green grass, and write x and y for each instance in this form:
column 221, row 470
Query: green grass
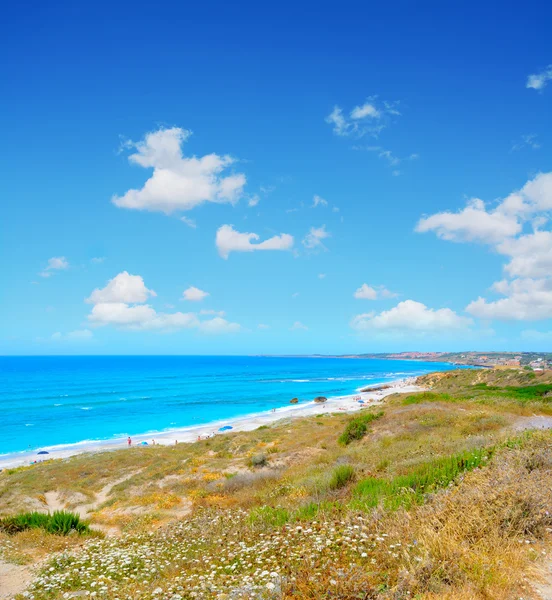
column 269, row 515
column 60, row 523
column 357, row 427
column 341, row 476
column 427, row 397
column 410, row 489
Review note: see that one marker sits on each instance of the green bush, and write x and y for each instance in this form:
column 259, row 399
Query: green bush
column 341, row 476
column 357, row 427
column 60, row 523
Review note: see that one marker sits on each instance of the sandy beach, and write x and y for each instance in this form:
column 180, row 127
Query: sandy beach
column 350, row 403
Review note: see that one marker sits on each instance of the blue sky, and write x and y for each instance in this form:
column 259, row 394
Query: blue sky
column 394, row 162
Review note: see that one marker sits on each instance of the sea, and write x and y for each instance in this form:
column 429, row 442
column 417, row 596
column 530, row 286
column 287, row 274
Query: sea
column 50, row 401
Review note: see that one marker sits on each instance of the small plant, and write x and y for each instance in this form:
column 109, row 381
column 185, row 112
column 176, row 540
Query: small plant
column 60, row 523
column 268, row 515
column 258, row 460
column 357, row 427
column 341, row 476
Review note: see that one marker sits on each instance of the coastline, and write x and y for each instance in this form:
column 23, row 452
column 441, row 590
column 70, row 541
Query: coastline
column 349, row 403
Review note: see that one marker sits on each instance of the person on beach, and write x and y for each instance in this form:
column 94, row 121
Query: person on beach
column 129, row 442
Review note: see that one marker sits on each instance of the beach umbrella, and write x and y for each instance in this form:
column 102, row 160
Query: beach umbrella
column 226, row 428
column 43, row 452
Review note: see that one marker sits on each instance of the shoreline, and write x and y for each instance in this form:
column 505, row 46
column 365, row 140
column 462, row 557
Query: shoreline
column 348, row 403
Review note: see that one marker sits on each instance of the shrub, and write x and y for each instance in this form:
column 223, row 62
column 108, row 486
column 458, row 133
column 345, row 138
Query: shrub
column 341, row 476
column 357, row 427
column 60, row 522
column 258, row 460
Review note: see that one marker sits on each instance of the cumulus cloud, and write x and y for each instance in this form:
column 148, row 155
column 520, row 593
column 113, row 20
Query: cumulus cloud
column 178, row 182
column 313, row 240
column 263, row 326
column 56, row 263
column 528, row 294
column 473, row 223
column 122, row 303
column 229, row 240
column 253, row 201
column 371, row 117
column 218, row 325
column 367, row 292
column 526, row 300
column 125, row 288
column 194, row 294
column 410, row 315
column 538, row 81
column 298, row 326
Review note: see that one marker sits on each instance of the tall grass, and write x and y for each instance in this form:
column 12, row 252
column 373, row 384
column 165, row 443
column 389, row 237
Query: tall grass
column 412, row 488
column 60, row 523
column 341, row 476
column 357, row 427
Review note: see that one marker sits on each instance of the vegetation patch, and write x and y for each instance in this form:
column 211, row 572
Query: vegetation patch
column 341, row 476
column 60, row 523
column 412, row 488
column 357, row 427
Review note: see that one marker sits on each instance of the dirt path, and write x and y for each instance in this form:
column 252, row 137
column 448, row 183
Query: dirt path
column 14, row 579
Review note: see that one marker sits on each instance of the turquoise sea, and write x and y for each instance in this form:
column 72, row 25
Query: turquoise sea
column 48, row 401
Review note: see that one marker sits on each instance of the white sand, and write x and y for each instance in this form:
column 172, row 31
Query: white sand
column 246, row 423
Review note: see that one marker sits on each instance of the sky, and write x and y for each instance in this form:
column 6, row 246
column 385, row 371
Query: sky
column 284, row 178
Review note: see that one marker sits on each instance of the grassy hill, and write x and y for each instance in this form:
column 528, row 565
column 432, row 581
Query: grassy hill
column 441, row 494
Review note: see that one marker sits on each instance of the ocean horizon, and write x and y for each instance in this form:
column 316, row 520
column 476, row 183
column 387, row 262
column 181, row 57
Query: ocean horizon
column 58, row 400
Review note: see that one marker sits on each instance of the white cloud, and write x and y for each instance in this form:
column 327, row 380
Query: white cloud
column 97, row 260
column 367, row 292
column 527, row 141
column 56, row 263
column 538, row 81
column 410, row 315
column 229, row 240
column 318, row 201
column 194, row 294
column 263, row 326
column 530, row 255
column 140, row 316
column 371, row 117
column 121, row 303
column 218, row 325
column 73, row 336
column 526, row 300
column 321, row 275
column 189, row 222
column 313, row 239
column 473, row 223
column 298, row 326
column 178, row 182
column 366, row 110
column 126, row 288
column 528, row 296
column 253, row 201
